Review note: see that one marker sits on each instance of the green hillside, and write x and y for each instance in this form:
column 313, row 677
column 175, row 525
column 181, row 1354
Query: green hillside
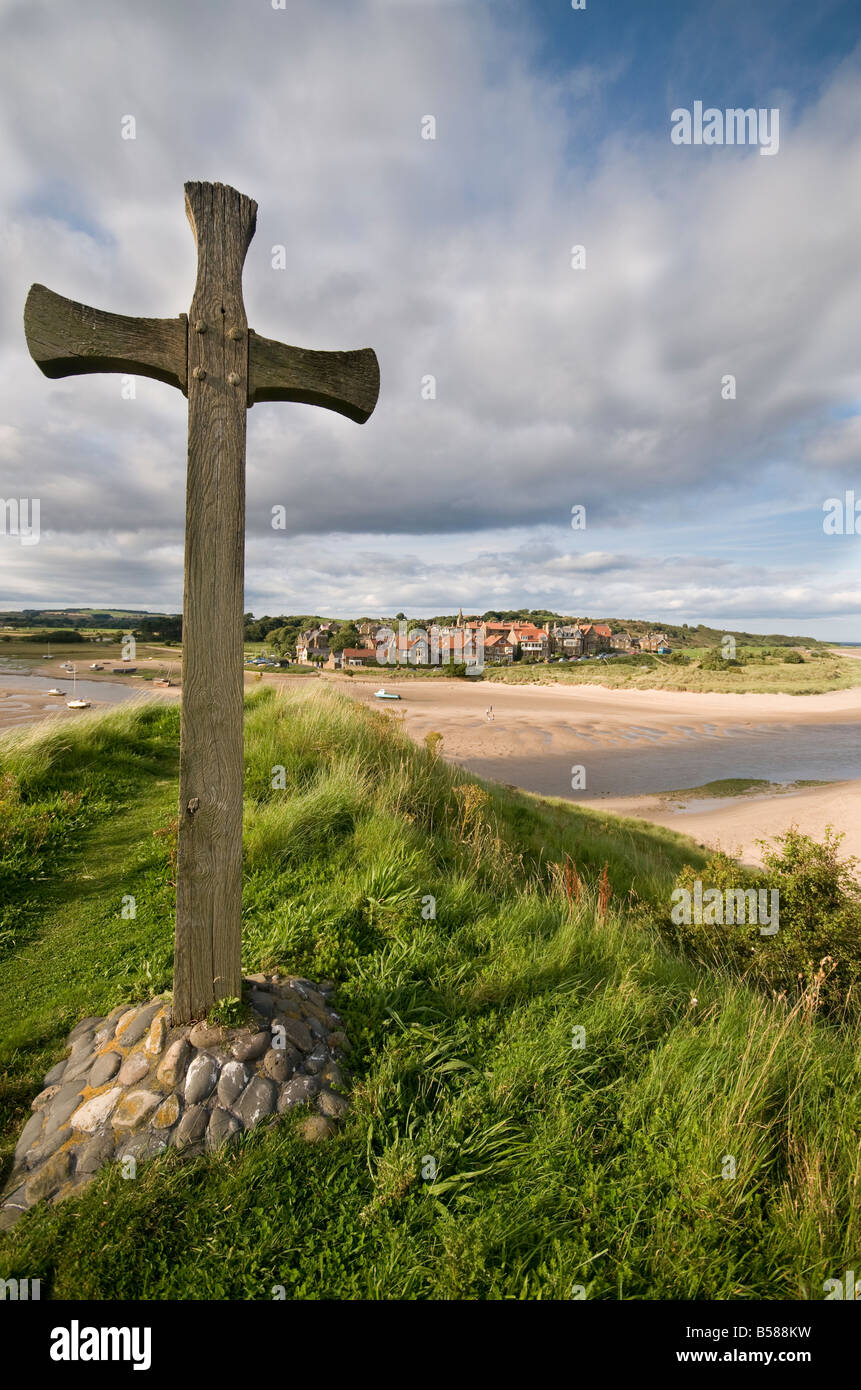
column 560, row 1167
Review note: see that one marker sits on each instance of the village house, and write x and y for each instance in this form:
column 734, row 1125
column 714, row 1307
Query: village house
column 498, row 649
column 418, row 648
column 404, row 648
column 462, row 642
column 568, row 639
column 532, row 642
column 351, row 656
column 596, row 638
column 656, row 642
column 312, row 647
column 620, row 641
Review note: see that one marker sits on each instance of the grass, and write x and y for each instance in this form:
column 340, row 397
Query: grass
column 772, row 676
column 724, row 786
column 740, row 786
column 466, row 967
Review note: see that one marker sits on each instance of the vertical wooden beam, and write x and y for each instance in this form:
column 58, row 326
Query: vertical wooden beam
column 207, row 963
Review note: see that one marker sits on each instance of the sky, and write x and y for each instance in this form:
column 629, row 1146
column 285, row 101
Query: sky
column 515, row 385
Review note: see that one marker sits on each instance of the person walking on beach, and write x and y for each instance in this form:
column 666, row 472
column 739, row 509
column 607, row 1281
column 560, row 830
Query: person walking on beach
column 489, row 714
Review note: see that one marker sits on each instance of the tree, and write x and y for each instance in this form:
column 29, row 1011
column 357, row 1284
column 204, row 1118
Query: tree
column 346, row 636
column 60, row 635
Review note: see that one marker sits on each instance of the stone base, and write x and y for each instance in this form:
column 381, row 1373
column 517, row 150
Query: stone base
column 133, row 1086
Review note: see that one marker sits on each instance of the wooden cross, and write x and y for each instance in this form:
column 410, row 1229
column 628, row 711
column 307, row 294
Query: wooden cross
column 223, row 368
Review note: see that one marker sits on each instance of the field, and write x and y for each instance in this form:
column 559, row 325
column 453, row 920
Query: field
column 561, row 1170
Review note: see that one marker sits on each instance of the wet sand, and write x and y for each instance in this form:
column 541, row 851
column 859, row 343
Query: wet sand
column 737, row 824
column 24, row 697
column 19, row 706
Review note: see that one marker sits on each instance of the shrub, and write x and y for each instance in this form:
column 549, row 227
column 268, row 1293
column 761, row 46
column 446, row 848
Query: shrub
column 817, row 946
column 62, row 635
column 716, row 661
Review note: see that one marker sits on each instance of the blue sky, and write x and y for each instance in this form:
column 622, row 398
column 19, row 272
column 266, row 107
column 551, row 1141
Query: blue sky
column 754, row 45
column 452, row 257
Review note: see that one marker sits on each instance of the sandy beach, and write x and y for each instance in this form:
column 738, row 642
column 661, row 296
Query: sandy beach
column 737, row 824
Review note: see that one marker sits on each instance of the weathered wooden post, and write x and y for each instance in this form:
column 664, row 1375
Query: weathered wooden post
column 223, row 367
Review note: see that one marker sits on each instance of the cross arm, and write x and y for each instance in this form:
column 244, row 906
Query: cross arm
column 69, row 339
column 348, row 382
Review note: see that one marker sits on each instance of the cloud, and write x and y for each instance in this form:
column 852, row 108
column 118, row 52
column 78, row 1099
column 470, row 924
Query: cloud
column 839, row 446
column 451, row 257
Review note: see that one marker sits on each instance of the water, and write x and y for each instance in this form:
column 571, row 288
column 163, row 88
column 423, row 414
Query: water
column 107, row 691
column 641, row 759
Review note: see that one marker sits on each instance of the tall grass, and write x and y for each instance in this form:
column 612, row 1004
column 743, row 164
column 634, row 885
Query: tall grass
column 545, row 1094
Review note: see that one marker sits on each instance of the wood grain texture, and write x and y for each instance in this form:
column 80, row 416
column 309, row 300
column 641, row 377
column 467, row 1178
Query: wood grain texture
column 66, row 338
column 348, row 382
column 209, row 870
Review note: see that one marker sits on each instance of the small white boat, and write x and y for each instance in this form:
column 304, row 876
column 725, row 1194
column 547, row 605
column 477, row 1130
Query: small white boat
column 75, row 703
column 385, row 695
column 55, row 691
column 95, row 666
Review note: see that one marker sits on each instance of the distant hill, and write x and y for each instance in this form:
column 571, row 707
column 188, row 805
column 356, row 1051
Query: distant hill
column 81, row 617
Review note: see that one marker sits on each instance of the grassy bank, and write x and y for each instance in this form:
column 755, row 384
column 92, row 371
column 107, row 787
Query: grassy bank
column 771, row 676
column 739, row 786
column 557, row 1165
